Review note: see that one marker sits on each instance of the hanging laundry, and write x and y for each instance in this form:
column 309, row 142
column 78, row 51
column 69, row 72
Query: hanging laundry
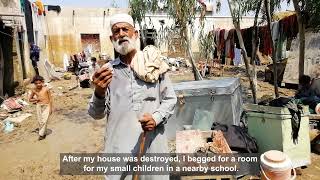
column 226, row 34
column 226, row 48
column 247, row 39
column 221, row 39
column 40, row 6
column 276, row 40
column 34, row 8
column 281, row 46
column 230, row 52
column 217, row 35
column 22, row 5
column 237, row 58
column 275, row 31
column 29, row 21
column 265, row 41
column 54, row 8
column 290, row 26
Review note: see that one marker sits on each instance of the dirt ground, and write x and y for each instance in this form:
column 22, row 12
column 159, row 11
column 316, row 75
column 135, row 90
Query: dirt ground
column 71, row 129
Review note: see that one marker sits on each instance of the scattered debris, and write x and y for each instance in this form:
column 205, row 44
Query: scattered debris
column 11, row 105
column 18, row 118
column 8, row 126
column 218, row 145
column 188, row 141
column 2, row 125
column 3, row 115
column 48, row 85
column 67, row 76
column 188, row 64
column 59, row 69
column 73, row 88
column 53, row 75
column 172, row 146
column 191, row 141
column 22, row 102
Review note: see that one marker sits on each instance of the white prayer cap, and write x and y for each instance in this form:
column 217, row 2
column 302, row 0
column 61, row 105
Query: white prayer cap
column 121, row 18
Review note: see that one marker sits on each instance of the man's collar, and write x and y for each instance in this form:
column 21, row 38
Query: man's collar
column 117, row 61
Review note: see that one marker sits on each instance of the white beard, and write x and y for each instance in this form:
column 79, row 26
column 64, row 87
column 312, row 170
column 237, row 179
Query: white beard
column 125, row 47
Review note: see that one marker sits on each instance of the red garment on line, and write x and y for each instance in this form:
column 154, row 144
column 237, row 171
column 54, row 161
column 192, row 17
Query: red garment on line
column 266, row 41
column 222, row 40
column 231, row 38
column 290, row 28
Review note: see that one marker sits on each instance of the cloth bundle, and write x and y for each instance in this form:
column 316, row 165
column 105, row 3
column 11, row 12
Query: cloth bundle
column 12, row 104
column 147, row 64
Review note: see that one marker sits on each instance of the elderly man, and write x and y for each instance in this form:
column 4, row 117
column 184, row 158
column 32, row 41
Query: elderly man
column 136, row 108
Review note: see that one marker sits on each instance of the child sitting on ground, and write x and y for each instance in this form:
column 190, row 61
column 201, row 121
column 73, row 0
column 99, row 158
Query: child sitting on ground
column 305, row 90
column 41, row 96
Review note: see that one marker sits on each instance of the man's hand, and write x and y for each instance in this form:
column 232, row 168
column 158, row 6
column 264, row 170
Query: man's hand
column 34, row 100
column 147, row 122
column 101, row 79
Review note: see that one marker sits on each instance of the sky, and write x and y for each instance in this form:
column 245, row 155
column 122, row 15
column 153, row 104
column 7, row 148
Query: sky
column 124, row 3
column 87, row 3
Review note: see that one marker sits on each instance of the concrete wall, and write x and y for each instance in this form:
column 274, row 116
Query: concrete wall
column 311, row 62
column 9, row 3
column 64, row 31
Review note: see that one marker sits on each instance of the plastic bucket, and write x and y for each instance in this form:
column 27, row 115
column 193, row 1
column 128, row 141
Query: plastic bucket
column 276, row 165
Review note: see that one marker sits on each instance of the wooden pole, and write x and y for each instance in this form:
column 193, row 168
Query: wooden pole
column 274, row 55
column 302, row 40
column 254, row 50
column 243, row 48
column 141, row 149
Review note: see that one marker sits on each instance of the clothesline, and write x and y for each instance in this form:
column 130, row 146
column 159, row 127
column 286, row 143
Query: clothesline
column 282, row 30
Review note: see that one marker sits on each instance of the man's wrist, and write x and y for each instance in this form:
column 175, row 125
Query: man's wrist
column 99, row 94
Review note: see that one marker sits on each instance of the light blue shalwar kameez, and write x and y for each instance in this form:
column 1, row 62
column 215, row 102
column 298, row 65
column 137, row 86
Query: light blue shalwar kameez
column 127, row 99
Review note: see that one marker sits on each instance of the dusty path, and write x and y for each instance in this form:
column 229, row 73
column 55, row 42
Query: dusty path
column 71, row 130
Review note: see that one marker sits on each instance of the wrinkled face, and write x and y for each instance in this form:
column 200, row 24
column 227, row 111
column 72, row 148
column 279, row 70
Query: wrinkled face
column 124, row 38
column 38, row 84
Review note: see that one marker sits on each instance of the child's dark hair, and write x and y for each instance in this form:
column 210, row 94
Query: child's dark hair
column 94, row 59
column 37, row 78
column 304, row 80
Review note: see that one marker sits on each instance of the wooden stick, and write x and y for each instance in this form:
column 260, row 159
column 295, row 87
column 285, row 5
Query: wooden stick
column 141, row 149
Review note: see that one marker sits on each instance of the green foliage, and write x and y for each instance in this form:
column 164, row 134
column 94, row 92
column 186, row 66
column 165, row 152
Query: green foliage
column 251, row 6
column 206, row 40
column 310, row 11
column 139, row 8
column 182, row 11
column 313, row 10
column 206, row 45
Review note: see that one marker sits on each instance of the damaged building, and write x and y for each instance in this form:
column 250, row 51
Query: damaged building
column 15, row 65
